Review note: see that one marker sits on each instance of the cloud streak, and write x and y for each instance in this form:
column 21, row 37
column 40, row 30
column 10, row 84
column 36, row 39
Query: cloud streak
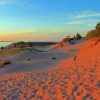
column 4, row 2
column 83, row 18
column 87, row 14
column 78, row 22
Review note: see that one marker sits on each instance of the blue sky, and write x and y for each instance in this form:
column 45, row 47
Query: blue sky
column 41, row 20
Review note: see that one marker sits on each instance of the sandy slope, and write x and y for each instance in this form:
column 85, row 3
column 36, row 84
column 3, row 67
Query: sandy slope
column 39, row 61
column 70, row 79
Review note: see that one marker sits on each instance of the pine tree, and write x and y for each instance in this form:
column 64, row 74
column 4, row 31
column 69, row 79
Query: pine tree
column 98, row 26
column 78, row 36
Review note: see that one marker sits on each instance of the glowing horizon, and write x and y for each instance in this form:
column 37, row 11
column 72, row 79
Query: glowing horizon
column 44, row 20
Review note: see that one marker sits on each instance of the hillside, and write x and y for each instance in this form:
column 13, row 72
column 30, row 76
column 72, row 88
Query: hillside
column 91, row 49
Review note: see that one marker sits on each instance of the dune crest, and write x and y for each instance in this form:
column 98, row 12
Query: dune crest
column 65, row 42
column 90, row 49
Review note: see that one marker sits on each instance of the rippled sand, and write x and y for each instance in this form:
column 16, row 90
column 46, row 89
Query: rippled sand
column 70, row 82
column 70, row 79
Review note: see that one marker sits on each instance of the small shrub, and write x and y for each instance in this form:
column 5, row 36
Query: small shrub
column 28, row 59
column 31, row 50
column 6, row 62
column 2, row 47
column 2, row 63
column 54, row 58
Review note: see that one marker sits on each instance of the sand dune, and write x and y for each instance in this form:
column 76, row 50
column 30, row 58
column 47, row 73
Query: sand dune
column 90, row 49
column 70, row 79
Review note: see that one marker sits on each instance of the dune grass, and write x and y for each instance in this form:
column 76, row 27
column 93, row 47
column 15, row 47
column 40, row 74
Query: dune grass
column 12, row 51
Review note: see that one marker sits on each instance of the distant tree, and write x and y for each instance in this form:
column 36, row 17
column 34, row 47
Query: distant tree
column 78, row 36
column 94, row 33
column 98, row 26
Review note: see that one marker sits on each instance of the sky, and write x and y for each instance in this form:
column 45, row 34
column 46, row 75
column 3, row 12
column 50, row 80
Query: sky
column 46, row 20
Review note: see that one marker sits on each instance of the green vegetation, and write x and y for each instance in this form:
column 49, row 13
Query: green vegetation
column 94, row 33
column 78, row 36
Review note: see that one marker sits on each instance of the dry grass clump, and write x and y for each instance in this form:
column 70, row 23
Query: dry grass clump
column 2, row 63
column 12, row 51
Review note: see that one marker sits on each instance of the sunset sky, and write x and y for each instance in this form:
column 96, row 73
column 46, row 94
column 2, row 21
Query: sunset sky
column 46, row 20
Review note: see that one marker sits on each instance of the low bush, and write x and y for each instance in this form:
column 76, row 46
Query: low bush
column 28, row 59
column 6, row 62
column 2, row 63
column 54, row 58
column 2, row 48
